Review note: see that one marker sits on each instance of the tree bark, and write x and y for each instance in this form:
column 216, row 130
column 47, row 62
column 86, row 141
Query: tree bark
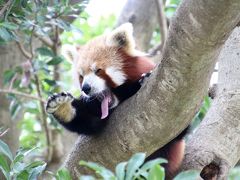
column 216, row 141
column 143, row 15
column 9, row 57
column 166, row 105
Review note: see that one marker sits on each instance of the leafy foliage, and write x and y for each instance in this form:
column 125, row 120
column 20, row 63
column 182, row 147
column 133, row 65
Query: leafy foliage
column 17, row 167
column 133, row 169
column 22, row 21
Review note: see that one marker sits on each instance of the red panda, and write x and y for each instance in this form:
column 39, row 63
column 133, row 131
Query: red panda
column 109, row 69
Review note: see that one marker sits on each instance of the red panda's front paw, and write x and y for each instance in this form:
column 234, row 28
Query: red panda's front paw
column 57, row 100
column 144, row 76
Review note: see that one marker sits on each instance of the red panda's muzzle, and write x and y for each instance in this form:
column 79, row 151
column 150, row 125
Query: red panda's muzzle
column 107, row 101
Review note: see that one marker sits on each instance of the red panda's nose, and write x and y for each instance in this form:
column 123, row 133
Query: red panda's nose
column 86, row 88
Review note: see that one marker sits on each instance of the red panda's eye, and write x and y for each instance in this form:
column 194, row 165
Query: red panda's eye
column 98, row 71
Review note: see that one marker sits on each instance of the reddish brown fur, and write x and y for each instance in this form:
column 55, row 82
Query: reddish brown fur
column 134, row 67
column 175, row 156
column 109, row 81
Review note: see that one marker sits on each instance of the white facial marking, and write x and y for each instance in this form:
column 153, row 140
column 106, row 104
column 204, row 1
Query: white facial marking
column 97, row 84
column 117, row 76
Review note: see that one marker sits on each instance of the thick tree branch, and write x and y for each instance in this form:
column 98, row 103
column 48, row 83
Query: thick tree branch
column 216, row 141
column 166, row 105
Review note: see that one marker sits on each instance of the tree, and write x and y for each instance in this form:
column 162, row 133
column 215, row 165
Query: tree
column 214, row 145
column 174, row 91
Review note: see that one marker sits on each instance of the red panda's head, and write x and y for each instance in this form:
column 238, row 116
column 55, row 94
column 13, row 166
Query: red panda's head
column 108, row 61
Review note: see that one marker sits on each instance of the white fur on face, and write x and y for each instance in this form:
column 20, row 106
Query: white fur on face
column 117, row 76
column 96, row 83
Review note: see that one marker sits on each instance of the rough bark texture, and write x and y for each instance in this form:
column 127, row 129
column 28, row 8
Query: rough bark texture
column 222, row 120
column 166, row 105
column 143, row 15
column 9, row 57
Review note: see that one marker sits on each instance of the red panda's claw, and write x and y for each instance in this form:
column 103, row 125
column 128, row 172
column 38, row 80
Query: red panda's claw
column 144, row 76
column 57, row 100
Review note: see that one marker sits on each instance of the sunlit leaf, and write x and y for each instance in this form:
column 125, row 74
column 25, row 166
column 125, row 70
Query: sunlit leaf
column 45, row 51
column 156, row 173
column 55, row 61
column 102, row 171
column 63, row 174
column 121, row 170
column 133, row 164
column 148, row 165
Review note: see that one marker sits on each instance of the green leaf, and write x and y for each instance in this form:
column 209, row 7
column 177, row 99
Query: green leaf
column 18, row 167
column 35, row 172
column 23, row 175
column 45, row 51
column 153, row 163
column 187, row 175
column 9, row 25
column 14, row 108
column 7, row 76
column 55, row 61
column 63, row 24
column 120, row 170
column 156, row 173
column 4, row 149
column 50, row 82
column 133, row 164
column 4, row 167
column 63, row 174
column 86, row 178
column 102, row 171
column 5, row 35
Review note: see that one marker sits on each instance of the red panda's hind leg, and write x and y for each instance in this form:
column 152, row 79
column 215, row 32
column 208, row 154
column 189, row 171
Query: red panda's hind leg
column 173, row 152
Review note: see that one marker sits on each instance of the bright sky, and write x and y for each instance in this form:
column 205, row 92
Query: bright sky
column 97, row 8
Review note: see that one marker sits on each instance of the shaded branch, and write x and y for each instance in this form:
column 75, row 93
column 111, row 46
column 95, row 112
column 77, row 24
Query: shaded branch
column 18, row 93
column 4, row 8
column 23, row 50
column 42, row 107
column 45, row 40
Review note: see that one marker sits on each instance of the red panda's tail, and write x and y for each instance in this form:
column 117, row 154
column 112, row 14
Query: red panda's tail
column 173, row 152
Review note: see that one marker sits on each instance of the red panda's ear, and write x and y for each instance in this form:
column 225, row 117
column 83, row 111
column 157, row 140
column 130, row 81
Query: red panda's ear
column 70, row 52
column 122, row 37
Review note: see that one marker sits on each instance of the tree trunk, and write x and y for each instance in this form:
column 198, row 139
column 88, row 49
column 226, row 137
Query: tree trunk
column 166, row 105
column 216, row 140
column 9, row 57
column 143, row 15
